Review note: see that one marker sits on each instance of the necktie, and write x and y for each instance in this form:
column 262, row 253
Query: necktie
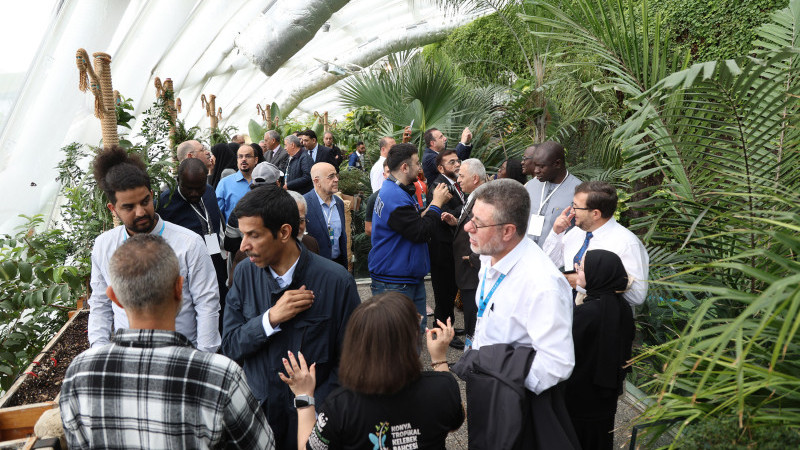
column 460, row 193
column 286, row 172
column 579, row 255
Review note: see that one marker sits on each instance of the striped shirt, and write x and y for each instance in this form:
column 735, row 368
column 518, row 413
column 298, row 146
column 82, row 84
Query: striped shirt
column 150, row 389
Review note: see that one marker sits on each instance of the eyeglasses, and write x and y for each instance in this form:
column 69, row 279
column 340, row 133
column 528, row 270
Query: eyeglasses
column 245, row 156
column 333, row 176
column 527, row 158
column 303, row 219
column 452, row 162
column 478, row 227
column 576, row 207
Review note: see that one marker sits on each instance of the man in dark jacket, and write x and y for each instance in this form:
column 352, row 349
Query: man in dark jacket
column 399, row 259
column 298, row 168
column 325, row 214
column 441, row 244
column 319, row 153
column 283, row 298
column 435, row 142
column 194, row 206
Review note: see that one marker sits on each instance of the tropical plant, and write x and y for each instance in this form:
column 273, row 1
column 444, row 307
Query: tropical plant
column 713, row 152
column 35, row 288
column 428, row 92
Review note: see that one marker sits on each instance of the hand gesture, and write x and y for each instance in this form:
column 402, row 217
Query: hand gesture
column 441, row 195
column 563, row 220
column 449, row 219
column 301, row 378
column 466, row 136
column 290, row 304
column 437, row 339
column 407, row 135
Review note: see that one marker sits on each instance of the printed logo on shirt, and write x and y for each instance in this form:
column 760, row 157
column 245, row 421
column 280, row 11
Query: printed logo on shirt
column 378, row 438
column 378, row 206
column 316, row 440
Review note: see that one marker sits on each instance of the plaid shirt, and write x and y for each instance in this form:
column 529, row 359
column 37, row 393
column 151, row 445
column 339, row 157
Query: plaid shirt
column 150, row 389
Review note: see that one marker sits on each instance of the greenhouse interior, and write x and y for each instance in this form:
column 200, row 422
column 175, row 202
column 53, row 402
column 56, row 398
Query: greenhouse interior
column 673, row 125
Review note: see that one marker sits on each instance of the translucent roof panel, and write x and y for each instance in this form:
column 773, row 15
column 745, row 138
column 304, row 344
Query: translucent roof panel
column 246, row 52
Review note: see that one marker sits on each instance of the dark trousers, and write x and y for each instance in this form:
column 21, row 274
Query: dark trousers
column 443, row 280
column 470, row 310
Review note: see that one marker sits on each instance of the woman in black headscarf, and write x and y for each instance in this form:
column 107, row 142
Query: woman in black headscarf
column 512, row 168
column 259, row 152
column 603, row 331
column 225, row 159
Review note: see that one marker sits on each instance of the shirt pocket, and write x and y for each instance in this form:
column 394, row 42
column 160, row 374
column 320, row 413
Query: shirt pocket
column 312, row 337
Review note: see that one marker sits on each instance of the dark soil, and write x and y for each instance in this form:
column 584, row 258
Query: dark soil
column 46, row 385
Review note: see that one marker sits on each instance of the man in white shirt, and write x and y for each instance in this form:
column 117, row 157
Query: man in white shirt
column 593, row 207
column 523, row 299
column 130, row 198
column 376, row 173
column 551, row 188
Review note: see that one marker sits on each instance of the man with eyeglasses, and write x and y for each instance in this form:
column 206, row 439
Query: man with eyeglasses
column 593, row 207
column 550, row 189
column 325, row 217
column 194, row 149
column 440, row 247
column 230, row 189
column 525, row 302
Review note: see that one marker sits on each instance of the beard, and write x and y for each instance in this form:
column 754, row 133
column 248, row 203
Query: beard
column 489, row 248
column 141, row 224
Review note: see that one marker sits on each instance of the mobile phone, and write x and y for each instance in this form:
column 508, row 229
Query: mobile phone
column 412, row 123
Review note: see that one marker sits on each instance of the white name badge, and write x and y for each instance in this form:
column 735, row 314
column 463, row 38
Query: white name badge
column 535, row 225
column 212, row 244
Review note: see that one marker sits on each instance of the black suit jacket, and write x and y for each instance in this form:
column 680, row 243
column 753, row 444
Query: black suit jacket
column 444, row 232
column 317, row 227
column 324, row 154
column 466, row 270
column 298, row 172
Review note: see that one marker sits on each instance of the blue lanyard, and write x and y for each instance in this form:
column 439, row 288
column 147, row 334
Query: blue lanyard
column 163, row 225
column 485, row 301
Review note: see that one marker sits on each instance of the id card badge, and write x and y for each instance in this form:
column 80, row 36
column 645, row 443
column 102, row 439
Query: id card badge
column 535, row 225
column 212, row 244
column 330, row 234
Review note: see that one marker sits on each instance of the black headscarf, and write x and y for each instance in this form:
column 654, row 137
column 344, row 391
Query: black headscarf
column 226, row 159
column 608, row 316
column 514, row 170
column 259, row 152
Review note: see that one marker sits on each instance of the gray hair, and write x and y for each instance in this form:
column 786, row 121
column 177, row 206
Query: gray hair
column 474, row 166
column 293, row 139
column 300, row 200
column 184, row 148
column 273, row 134
column 143, row 271
column 510, row 201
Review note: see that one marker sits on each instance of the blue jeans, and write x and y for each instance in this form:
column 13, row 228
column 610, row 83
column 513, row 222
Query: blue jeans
column 416, row 292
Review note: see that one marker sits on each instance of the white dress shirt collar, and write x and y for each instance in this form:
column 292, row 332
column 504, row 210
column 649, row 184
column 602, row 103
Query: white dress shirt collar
column 285, row 279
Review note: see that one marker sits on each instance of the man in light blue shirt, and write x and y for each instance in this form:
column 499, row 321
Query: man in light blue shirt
column 325, row 213
column 231, row 188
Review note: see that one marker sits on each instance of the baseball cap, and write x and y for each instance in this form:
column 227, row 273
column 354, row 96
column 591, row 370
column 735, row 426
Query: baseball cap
column 266, row 173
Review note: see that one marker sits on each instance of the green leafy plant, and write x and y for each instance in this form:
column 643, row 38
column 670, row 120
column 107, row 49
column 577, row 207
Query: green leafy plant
column 35, row 288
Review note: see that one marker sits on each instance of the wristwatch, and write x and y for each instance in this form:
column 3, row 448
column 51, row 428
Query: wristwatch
column 301, row 401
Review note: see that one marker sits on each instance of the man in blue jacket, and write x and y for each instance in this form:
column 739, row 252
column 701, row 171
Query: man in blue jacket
column 325, row 213
column 399, row 257
column 283, row 298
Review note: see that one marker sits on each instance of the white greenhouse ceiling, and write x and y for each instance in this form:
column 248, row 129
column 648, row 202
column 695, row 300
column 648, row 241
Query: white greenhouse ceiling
column 246, row 52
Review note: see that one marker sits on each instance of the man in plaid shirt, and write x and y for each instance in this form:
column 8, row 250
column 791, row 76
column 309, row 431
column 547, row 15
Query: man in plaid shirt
column 150, row 388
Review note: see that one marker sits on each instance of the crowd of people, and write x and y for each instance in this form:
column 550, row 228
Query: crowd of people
column 222, row 313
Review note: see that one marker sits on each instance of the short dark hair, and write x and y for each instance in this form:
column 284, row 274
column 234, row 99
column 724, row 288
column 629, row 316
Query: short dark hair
column 398, row 154
column 191, row 166
column 510, row 200
column 442, row 154
column 359, row 143
column 273, row 204
column 115, row 170
column 380, row 353
column 309, row 133
column 601, row 196
column 428, row 136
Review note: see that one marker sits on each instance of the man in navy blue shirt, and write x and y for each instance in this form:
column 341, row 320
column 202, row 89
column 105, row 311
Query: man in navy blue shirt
column 435, row 142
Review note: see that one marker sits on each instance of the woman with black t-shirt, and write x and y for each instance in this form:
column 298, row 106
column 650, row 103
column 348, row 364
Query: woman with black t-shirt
column 602, row 330
column 385, row 401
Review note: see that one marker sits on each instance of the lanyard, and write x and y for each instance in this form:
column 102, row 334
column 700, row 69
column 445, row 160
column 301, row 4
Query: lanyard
column 542, row 200
column 204, row 216
column 160, row 232
column 418, row 183
column 485, row 301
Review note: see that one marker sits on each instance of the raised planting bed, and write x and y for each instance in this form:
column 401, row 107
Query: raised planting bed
column 37, row 390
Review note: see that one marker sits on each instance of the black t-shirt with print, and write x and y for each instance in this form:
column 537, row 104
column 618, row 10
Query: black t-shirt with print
column 419, row 416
